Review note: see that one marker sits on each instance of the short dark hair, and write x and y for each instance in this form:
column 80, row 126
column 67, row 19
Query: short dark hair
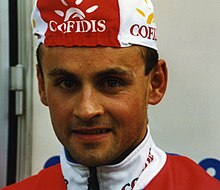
column 38, row 55
column 150, row 55
column 151, row 59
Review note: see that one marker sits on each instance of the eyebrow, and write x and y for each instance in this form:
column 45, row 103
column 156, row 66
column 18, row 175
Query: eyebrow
column 110, row 71
column 115, row 71
column 59, row 72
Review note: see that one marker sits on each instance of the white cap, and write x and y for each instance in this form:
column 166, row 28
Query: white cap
column 115, row 23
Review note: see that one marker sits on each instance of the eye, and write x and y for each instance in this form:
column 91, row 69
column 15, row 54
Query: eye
column 113, row 83
column 69, row 84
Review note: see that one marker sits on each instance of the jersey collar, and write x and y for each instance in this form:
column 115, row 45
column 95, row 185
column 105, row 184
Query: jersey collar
column 134, row 172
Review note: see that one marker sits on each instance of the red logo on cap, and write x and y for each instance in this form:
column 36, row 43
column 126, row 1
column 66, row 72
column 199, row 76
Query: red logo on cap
column 79, row 23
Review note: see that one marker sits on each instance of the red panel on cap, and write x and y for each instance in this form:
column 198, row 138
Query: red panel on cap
column 80, row 22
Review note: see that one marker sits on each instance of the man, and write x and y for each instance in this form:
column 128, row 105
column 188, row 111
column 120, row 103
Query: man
column 98, row 70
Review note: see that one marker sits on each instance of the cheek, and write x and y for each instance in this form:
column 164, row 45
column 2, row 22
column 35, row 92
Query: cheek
column 60, row 114
column 130, row 114
column 60, row 109
column 131, row 119
column 57, row 101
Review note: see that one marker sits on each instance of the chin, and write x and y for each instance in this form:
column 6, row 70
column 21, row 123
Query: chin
column 93, row 160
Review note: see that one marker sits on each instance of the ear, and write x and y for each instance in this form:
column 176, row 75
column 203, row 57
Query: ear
column 158, row 84
column 41, row 86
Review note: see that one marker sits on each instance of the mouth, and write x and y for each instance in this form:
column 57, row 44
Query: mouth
column 92, row 136
column 92, row 131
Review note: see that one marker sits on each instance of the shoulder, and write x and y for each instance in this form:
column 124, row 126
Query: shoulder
column 181, row 173
column 50, row 178
column 184, row 166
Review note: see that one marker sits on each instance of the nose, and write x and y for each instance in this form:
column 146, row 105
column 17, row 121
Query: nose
column 88, row 105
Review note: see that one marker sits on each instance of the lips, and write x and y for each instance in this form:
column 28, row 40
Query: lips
column 92, row 135
column 92, row 131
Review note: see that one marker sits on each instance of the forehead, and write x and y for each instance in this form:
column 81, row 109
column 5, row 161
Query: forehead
column 94, row 58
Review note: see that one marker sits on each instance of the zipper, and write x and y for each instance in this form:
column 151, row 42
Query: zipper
column 93, row 183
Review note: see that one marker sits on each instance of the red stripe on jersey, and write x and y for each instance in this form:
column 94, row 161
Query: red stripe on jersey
column 181, row 173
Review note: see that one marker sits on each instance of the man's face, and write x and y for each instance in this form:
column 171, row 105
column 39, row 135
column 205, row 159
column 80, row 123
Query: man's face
column 97, row 99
